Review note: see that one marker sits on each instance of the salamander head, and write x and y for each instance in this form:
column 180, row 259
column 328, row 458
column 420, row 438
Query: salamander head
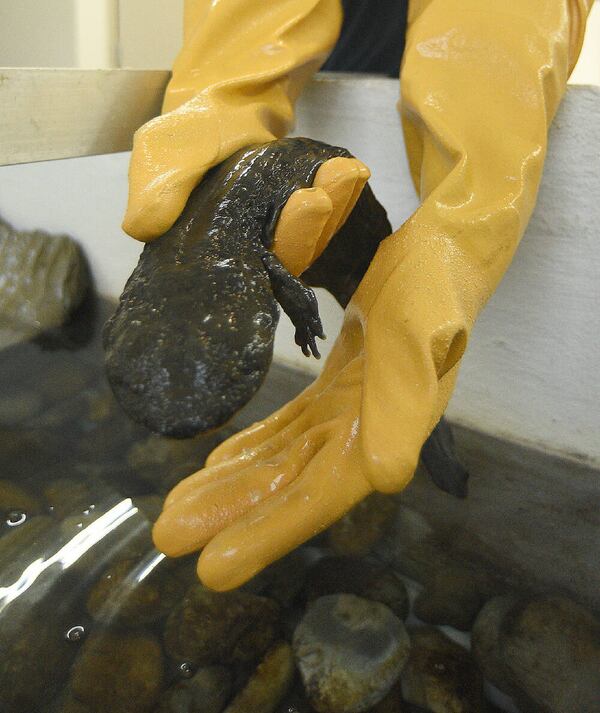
column 184, row 359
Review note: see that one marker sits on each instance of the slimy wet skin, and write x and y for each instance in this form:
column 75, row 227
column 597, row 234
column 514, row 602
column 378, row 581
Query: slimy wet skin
column 192, row 338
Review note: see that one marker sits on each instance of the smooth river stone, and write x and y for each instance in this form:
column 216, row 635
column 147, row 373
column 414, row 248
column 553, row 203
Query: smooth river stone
column 350, row 652
column 544, row 652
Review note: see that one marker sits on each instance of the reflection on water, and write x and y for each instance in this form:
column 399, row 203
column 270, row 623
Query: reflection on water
column 85, row 599
column 70, row 552
column 79, row 487
column 93, row 619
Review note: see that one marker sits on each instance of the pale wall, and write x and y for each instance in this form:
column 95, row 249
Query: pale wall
column 150, row 33
column 142, row 34
column 587, row 70
column 37, row 34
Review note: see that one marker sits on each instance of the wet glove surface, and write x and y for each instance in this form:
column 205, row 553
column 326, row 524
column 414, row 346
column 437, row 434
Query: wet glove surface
column 234, row 84
column 481, row 82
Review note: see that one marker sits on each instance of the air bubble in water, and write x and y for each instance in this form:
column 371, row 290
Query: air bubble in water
column 15, row 518
column 185, row 669
column 75, row 633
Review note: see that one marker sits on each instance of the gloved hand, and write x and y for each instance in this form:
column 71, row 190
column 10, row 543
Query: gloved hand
column 480, row 84
column 242, row 67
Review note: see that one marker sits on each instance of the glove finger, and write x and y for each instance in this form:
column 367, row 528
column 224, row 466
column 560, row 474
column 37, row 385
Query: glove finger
column 267, row 451
column 321, row 494
column 201, row 513
column 170, row 155
column 363, row 176
column 299, row 227
column 260, row 433
column 343, row 180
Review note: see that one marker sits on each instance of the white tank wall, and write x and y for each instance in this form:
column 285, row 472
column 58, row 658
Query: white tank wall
column 531, row 370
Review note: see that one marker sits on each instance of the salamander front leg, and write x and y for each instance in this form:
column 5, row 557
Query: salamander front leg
column 298, row 302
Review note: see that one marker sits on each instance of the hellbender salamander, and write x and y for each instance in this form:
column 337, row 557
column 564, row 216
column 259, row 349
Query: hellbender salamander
column 192, row 337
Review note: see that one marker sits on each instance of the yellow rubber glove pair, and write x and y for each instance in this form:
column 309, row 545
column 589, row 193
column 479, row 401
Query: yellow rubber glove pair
column 480, row 83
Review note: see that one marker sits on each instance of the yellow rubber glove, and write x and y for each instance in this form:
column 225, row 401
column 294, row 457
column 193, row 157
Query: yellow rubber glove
column 242, row 67
column 481, row 81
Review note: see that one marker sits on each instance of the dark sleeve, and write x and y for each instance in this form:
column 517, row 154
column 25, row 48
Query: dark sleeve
column 372, row 37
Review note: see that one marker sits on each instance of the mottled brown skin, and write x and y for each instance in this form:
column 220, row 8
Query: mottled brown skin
column 192, row 337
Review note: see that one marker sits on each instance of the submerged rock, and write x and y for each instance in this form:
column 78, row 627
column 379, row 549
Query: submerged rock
column 135, row 592
column 440, row 676
column 121, row 673
column 101, row 404
column 35, row 655
column 365, row 578
column 284, row 580
column 43, row 278
column 16, row 505
column 451, row 599
column 268, row 684
column 71, row 705
column 392, row 703
column 350, row 652
column 295, row 701
column 486, row 642
column 67, row 496
column 15, row 409
column 337, row 575
column 221, row 627
column 162, row 462
column 357, row 532
column 388, row 588
column 544, row 652
column 206, row 692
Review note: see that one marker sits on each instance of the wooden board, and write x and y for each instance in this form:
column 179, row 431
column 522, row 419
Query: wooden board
column 62, row 113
